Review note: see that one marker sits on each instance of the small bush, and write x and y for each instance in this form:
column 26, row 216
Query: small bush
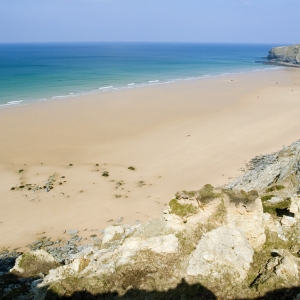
column 141, row 183
column 266, row 198
column 241, row 196
column 275, row 188
column 131, row 168
column 220, row 213
column 206, row 194
column 119, row 183
column 105, row 174
column 182, row 210
column 191, row 193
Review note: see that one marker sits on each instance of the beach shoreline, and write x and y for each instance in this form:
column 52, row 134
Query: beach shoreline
column 139, row 85
column 176, row 136
column 49, row 72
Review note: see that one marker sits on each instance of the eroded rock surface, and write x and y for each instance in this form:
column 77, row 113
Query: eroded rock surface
column 266, row 170
column 222, row 250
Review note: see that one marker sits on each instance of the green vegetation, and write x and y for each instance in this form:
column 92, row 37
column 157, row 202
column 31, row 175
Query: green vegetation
column 277, row 208
column 119, row 183
column 220, row 213
column 187, row 242
column 131, row 168
column 275, row 188
column 203, row 195
column 241, row 196
column 105, row 174
column 206, row 194
column 33, row 266
column 266, row 198
column 190, row 194
column 182, row 210
column 261, row 278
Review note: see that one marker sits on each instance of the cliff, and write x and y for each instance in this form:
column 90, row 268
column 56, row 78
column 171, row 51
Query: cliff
column 287, row 55
column 239, row 241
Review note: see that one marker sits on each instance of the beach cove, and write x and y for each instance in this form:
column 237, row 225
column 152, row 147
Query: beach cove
column 177, row 136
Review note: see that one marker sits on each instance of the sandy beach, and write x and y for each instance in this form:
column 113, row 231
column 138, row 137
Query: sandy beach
column 177, row 136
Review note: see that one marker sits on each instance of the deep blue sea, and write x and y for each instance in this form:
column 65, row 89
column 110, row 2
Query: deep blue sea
column 39, row 72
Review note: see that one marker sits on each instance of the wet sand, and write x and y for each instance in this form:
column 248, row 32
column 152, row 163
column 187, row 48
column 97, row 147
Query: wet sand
column 177, row 136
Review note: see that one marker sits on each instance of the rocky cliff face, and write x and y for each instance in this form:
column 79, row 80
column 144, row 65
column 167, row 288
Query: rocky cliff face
column 287, row 54
column 236, row 242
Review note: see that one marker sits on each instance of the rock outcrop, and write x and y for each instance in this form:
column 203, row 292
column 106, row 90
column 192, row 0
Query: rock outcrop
column 222, row 250
column 238, row 241
column 282, row 167
column 289, row 55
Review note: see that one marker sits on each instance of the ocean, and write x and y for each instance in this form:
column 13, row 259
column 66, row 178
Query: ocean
column 41, row 72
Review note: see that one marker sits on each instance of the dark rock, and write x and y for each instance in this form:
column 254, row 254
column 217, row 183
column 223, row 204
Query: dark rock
column 286, row 55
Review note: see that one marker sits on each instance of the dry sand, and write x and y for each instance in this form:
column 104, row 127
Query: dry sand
column 178, row 136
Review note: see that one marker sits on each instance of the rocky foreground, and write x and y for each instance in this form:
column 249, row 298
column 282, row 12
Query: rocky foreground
column 241, row 241
column 287, row 55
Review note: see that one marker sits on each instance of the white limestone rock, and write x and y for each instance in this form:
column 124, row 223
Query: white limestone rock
column 160, row 244
column 110, row 232
column 274, row 200
column 224, row 249
column 288, row 221
column 288, row 266
column 117, row 233
column 295, row 207
column 105, row 261
column 248, row 218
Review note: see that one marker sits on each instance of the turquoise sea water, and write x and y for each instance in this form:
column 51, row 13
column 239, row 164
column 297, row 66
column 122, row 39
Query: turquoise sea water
column 38, row 72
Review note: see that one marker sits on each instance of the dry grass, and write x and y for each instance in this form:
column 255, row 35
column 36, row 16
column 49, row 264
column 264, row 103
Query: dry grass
column 34, row 266
column 182, row 210
column 242, row 197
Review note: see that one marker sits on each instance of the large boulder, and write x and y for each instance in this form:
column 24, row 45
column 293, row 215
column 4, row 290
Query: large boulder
column 223, row 250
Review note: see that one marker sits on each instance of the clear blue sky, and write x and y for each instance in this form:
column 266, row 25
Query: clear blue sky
column 238, row 21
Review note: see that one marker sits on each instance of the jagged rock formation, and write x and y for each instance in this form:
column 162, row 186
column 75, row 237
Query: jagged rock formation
column 239, row 241
column 285, row 55
column 282, row 167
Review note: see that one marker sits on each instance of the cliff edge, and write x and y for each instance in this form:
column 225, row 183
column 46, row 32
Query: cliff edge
column 240, row 241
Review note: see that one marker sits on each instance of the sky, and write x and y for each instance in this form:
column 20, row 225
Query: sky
column 204, row 21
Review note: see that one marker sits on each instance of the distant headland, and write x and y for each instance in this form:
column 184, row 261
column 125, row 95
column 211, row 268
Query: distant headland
column 286, row 55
